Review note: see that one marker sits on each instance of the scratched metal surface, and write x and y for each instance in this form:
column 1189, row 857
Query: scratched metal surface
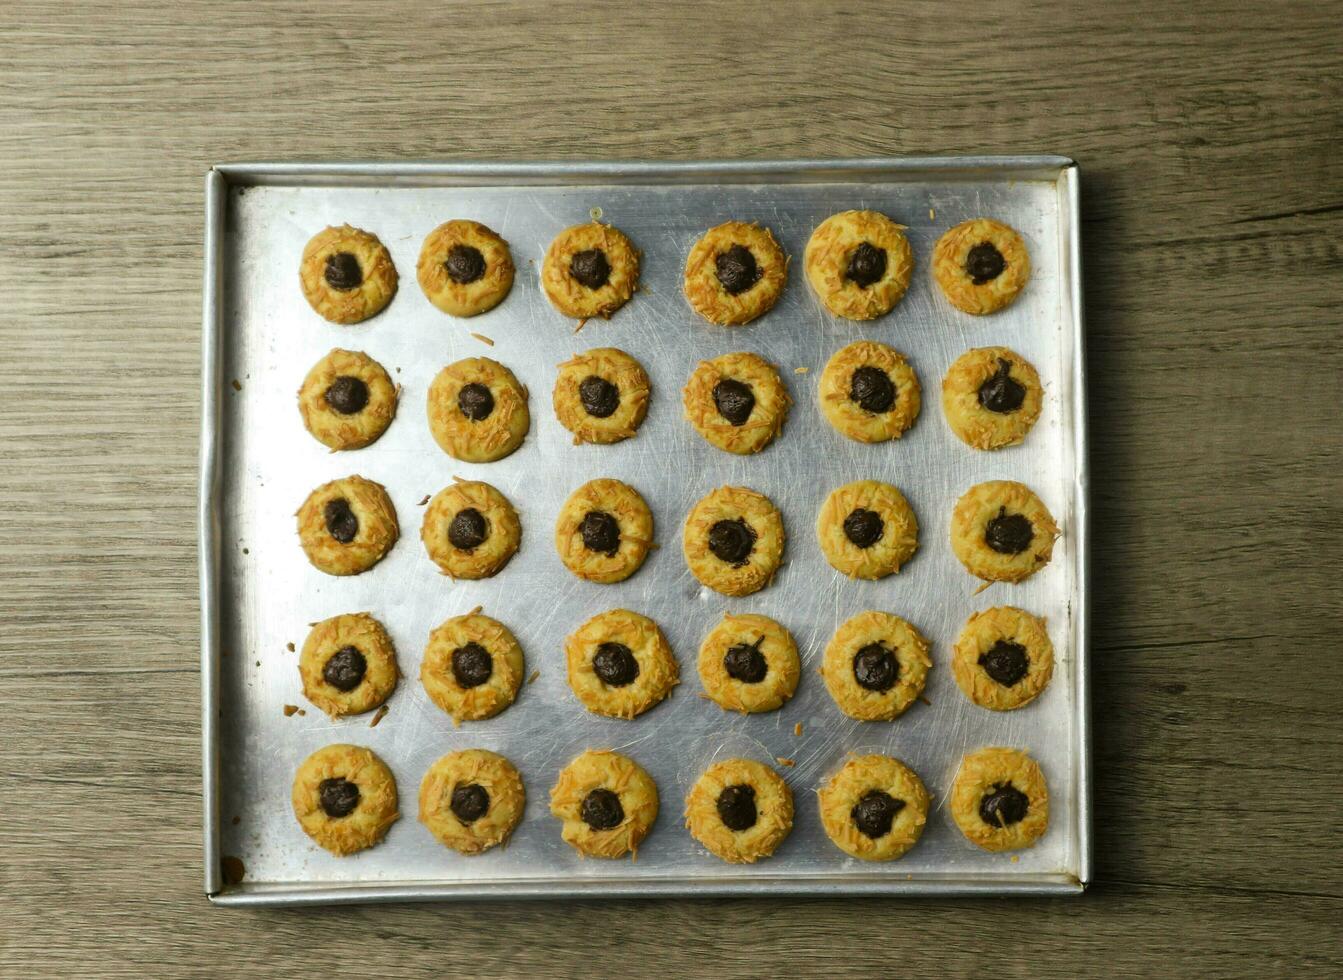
column 268, row 594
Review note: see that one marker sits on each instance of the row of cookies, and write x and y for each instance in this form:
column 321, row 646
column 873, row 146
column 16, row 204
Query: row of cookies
column 858, row 263
column 732, row 539
column 868, row 391
column 874, row 808
column 619, row 664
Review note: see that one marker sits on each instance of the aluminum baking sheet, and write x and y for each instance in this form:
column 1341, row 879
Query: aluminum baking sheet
column 258, row 463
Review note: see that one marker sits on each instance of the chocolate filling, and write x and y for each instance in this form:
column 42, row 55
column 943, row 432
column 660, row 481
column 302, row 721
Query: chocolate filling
column 736, row 807
column 601, row 810
column 873, row 814
column 347, row 394
column 1003, row 805
column 732, row 541
column 863, row 527
column 744, row 662
column 1001, row 393
column 590, row 268
column 867, row 264
column 600, row 398
column 464, row 264
column 475, row 401
column 469, row 802
column 734, row 400
column 871, row 389
column 338, row 797
column 341, row 523
column 984, row 263
column 342, row 272
column 614, row 664
column 472, row 665
column 1009, row 534
column 345, row 669
column 1006, row 662
column 468, row 529
column 737, row 270
column 875, row 668
column 601, row 532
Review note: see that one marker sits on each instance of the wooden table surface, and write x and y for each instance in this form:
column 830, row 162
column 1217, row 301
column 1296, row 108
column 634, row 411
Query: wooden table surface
column 1209, row 137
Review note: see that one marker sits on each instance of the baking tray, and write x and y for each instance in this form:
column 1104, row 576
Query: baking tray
column 259, row 594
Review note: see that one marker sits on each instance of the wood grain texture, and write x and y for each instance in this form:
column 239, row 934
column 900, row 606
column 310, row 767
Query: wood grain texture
column 1208, row 134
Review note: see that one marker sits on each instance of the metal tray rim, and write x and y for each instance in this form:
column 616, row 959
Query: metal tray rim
column 1071, row 175
column 217, row 181
column 657, row 167
column 958, row 887
column 244, row 172
column 207, row 537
